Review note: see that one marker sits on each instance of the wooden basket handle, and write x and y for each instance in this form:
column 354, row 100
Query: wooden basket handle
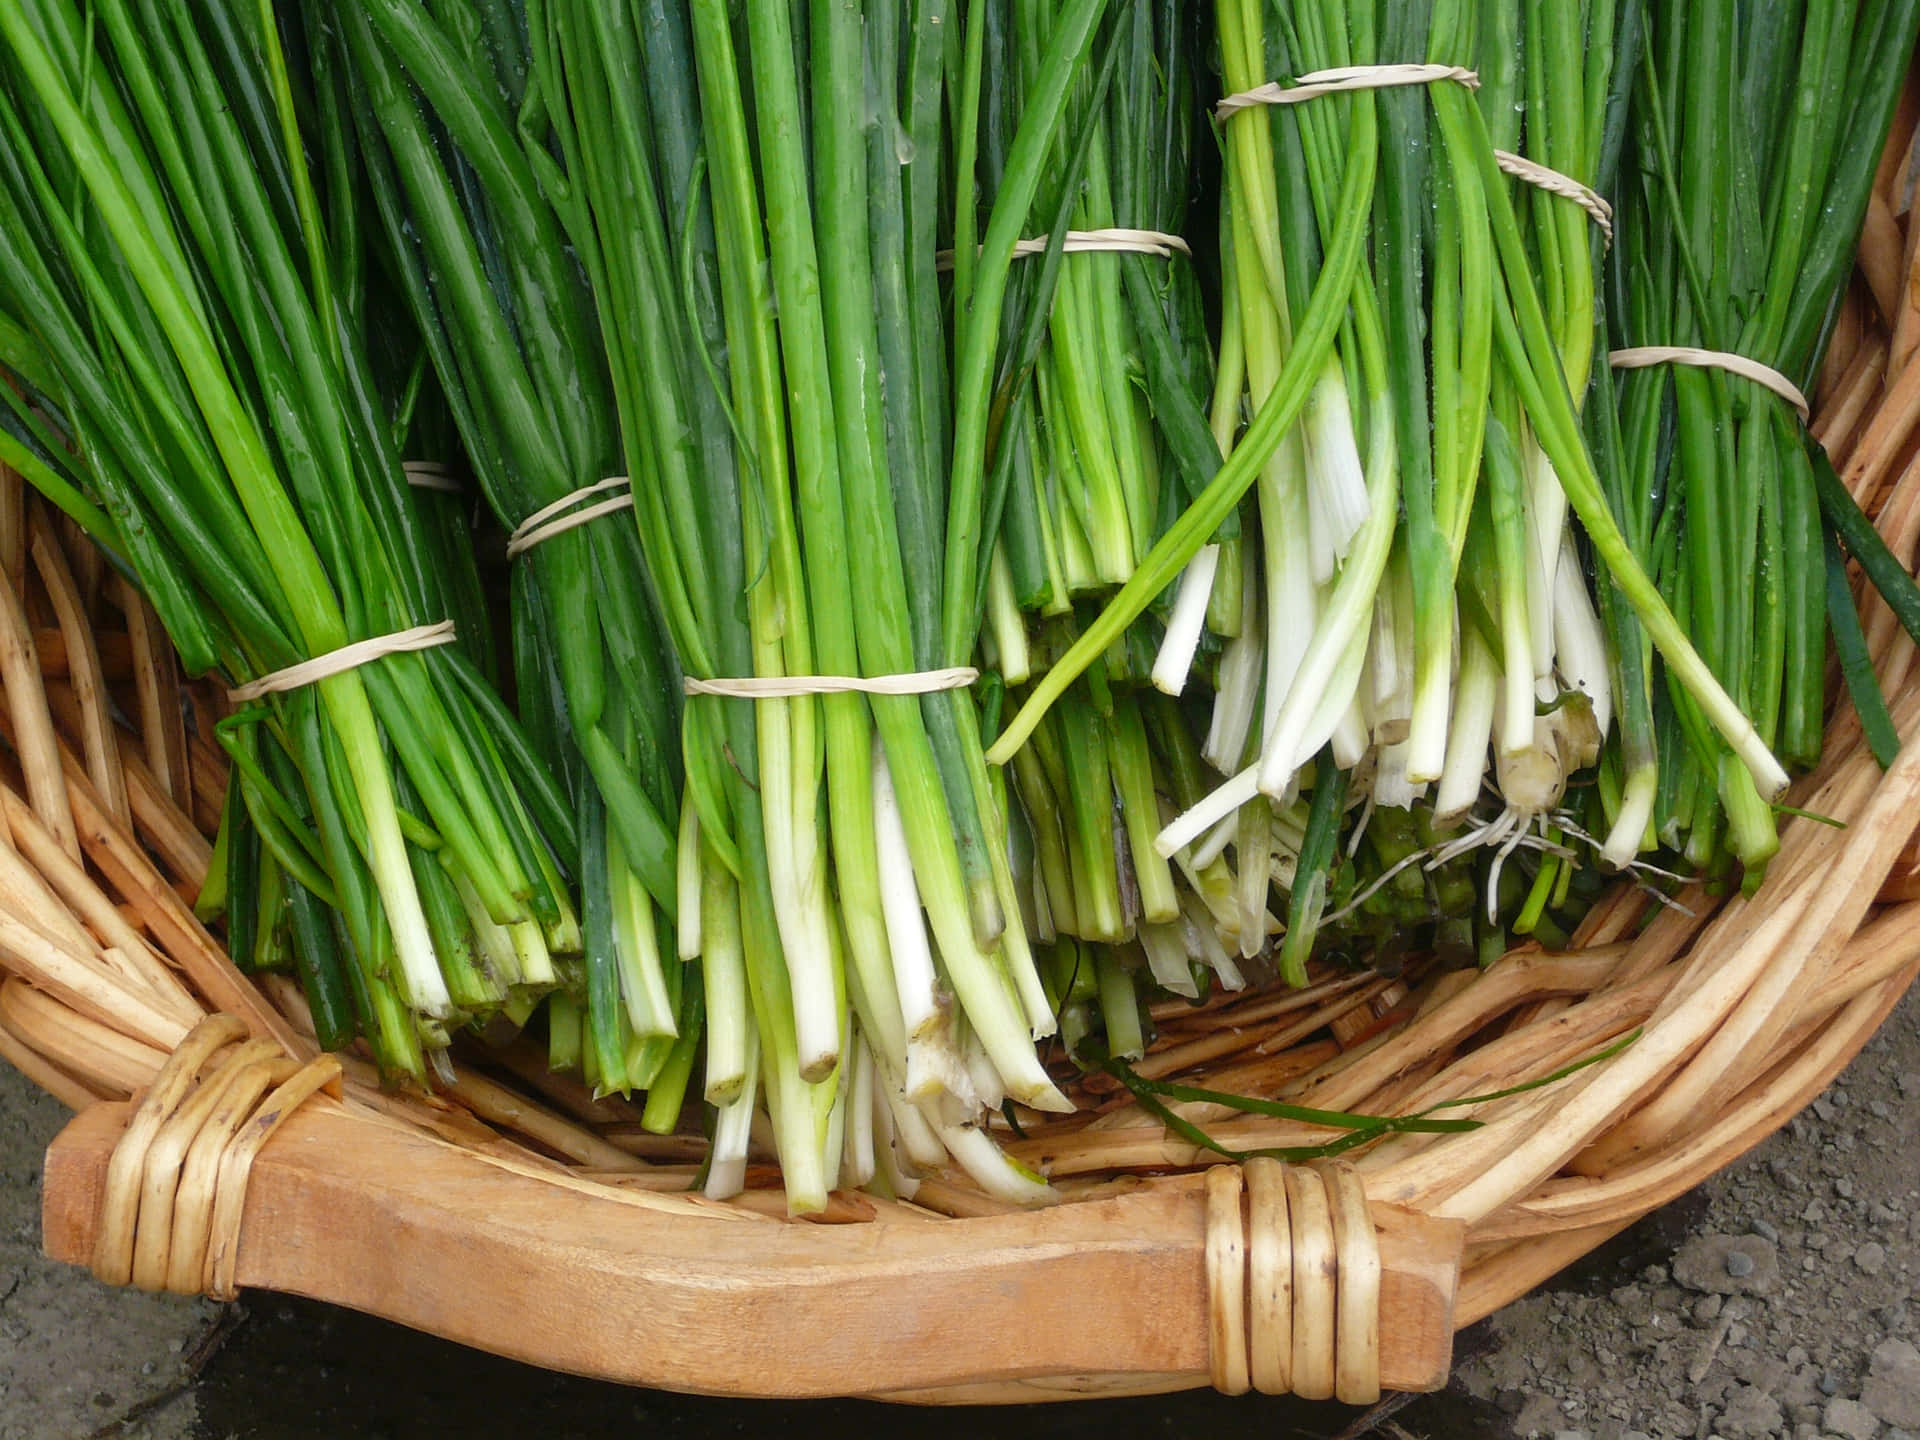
column 1132, row 1294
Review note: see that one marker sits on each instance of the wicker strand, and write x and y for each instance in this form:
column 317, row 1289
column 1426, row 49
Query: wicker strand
column 1316, row 1266
column 1269, row 1277
column 236, row 1165
column 176, row 1185
column 1226, row 1281
column 1356, row 1354
column 1293, row 1282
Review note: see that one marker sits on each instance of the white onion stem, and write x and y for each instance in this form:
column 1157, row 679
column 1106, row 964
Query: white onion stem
column 1174, row 663
column 913, row 971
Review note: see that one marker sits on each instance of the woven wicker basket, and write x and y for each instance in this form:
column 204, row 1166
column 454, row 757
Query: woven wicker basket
column 516, row 1214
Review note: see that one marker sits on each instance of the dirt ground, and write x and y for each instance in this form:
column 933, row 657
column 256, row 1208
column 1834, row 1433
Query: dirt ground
column 74, row 1355
column 1784, row 1303
column 1778, row 1300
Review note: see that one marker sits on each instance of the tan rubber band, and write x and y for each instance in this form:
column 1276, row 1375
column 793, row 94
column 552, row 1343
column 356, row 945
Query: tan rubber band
column 1642, row 356
column 1115, row 239
column 347, row 657
column 1349, row 77
column 1554, row 183
column 431, row 475
column 543, row 525
column 791, row 687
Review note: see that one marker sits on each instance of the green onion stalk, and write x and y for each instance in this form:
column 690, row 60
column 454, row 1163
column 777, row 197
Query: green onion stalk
column 172, row 300
column 1753, row 144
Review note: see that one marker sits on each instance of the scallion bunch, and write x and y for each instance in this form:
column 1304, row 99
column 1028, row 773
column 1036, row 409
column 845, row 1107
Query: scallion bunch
column 178, row 325
column 1754, row 140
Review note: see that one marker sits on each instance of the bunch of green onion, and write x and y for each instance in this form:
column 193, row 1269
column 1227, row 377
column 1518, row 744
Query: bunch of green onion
column 1754, row 142
column 480, row 254
column 187, row 349
column 756, row 208
column 1406, row 335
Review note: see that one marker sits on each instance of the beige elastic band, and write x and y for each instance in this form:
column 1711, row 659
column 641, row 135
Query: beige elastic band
column 1565, row 186
column 1293, row 1281
column 176, row 1184
column 347, row 657
column 431, row 475
column 1643, row 356
column 789, row 687
column 1116, row 239
column 1349, row 77
column 549, row 521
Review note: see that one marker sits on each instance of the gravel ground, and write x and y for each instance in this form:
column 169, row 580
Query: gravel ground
column 1778, row 1300
column 1786, row 1308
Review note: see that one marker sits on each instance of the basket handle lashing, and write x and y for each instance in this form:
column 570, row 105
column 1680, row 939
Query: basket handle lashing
column 176, row 1185
column 1293, row 1281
